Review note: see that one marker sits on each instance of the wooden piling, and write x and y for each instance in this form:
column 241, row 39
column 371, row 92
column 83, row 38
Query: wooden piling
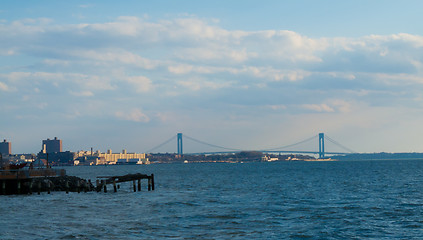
column 30, row 186
column 3, row 187
column 149, row 184
column 97, row 185
column 104, row 185
column 19, row 187
column 67, row 186
column 39, row 187
column 152, row 181
column 139, row 185
column 133, row 183
column 114, row 185
column 48, row 186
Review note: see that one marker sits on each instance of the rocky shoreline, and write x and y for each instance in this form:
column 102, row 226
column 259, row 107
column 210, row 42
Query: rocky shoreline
column 61, row 183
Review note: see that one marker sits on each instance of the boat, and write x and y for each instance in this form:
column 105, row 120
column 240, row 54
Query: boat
column 14, row 166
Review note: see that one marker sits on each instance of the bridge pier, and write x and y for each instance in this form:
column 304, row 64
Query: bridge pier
column 321, row 145
column 179, row 140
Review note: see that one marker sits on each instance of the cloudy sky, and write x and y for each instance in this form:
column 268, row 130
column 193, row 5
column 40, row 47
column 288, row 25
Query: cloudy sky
column 241, row 74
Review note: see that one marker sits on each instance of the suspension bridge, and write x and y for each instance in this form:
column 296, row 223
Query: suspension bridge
column 321, row 151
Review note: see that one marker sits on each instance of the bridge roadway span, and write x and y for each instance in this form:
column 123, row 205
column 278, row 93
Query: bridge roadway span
column 266, row 151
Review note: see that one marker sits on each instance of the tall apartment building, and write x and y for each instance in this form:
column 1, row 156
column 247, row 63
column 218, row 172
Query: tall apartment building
column 52, row 146
column 5, row 148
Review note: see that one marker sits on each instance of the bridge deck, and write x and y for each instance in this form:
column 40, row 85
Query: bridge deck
column 305, row 152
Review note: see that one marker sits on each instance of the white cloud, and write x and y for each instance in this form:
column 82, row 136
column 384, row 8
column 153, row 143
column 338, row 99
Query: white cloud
column 277, row 107
column 90, row 82
column 213, row 53
column 4, row 87
column 135, row 115
column 180, row 69
column 16, row 76
column 85, row 5
column 271, row 74
column 341, row 105
column 123, row 57
column 125, row 26
column 7, row 52
column 194, row 30
column 140, row 83
column 42, row 105
column 189, row 62
column 165, row 117
column 132, row 44
column 318, row 107
column 331, row 106
column 22, row 80
column 55, row 62
column 83, row 93
column 197, row 84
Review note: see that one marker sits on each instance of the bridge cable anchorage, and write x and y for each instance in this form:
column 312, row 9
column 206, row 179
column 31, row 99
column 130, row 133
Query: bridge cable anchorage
column 339, row 145
column 162, row 144
column 211, row 145
column 290, row 145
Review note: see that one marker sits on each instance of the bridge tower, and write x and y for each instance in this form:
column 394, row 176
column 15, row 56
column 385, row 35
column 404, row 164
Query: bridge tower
column 179, row 140
column 321, row 145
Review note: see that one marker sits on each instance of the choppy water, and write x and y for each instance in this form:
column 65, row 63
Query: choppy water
column 286, row 200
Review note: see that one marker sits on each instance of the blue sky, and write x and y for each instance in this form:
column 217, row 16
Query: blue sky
column 244, row 74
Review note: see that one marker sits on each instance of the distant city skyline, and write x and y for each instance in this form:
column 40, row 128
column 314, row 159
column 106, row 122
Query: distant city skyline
column 244, row 74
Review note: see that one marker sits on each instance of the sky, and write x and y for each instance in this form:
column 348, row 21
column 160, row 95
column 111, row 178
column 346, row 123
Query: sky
column 240, row 74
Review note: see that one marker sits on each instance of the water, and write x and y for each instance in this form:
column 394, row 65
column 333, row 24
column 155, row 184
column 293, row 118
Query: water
column 284, row 200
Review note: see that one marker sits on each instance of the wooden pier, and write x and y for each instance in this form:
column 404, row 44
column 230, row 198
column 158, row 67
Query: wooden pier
column 48, row 180
column 135, row 178
column 15, row 179
column 25, row 181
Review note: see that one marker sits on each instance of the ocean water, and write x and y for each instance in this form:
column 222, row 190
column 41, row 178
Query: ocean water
column 279, row 200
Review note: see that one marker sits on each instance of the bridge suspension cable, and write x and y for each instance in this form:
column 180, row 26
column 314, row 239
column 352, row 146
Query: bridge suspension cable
column 263, row 150
column 290, row 145
column 211, row 145
column 162, row 144
column 339, row 145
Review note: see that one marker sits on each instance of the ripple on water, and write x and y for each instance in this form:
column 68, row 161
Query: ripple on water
column 332, row 200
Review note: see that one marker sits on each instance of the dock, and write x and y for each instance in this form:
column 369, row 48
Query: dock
column 31, row 181
column 23, row 181
column 103, row 181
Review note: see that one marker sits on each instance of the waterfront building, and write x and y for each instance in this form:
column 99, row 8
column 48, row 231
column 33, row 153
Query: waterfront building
column 52, row 152
column 98, row 158
column 112, row 158
column 5, row 148
column 89, row 160
column 22, row 157
column 267, row 158
column 83, row 153
column 52, row 146
column 58, row 158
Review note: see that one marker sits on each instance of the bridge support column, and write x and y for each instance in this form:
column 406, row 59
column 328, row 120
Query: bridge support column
column 180, row 149
column 321, row 145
